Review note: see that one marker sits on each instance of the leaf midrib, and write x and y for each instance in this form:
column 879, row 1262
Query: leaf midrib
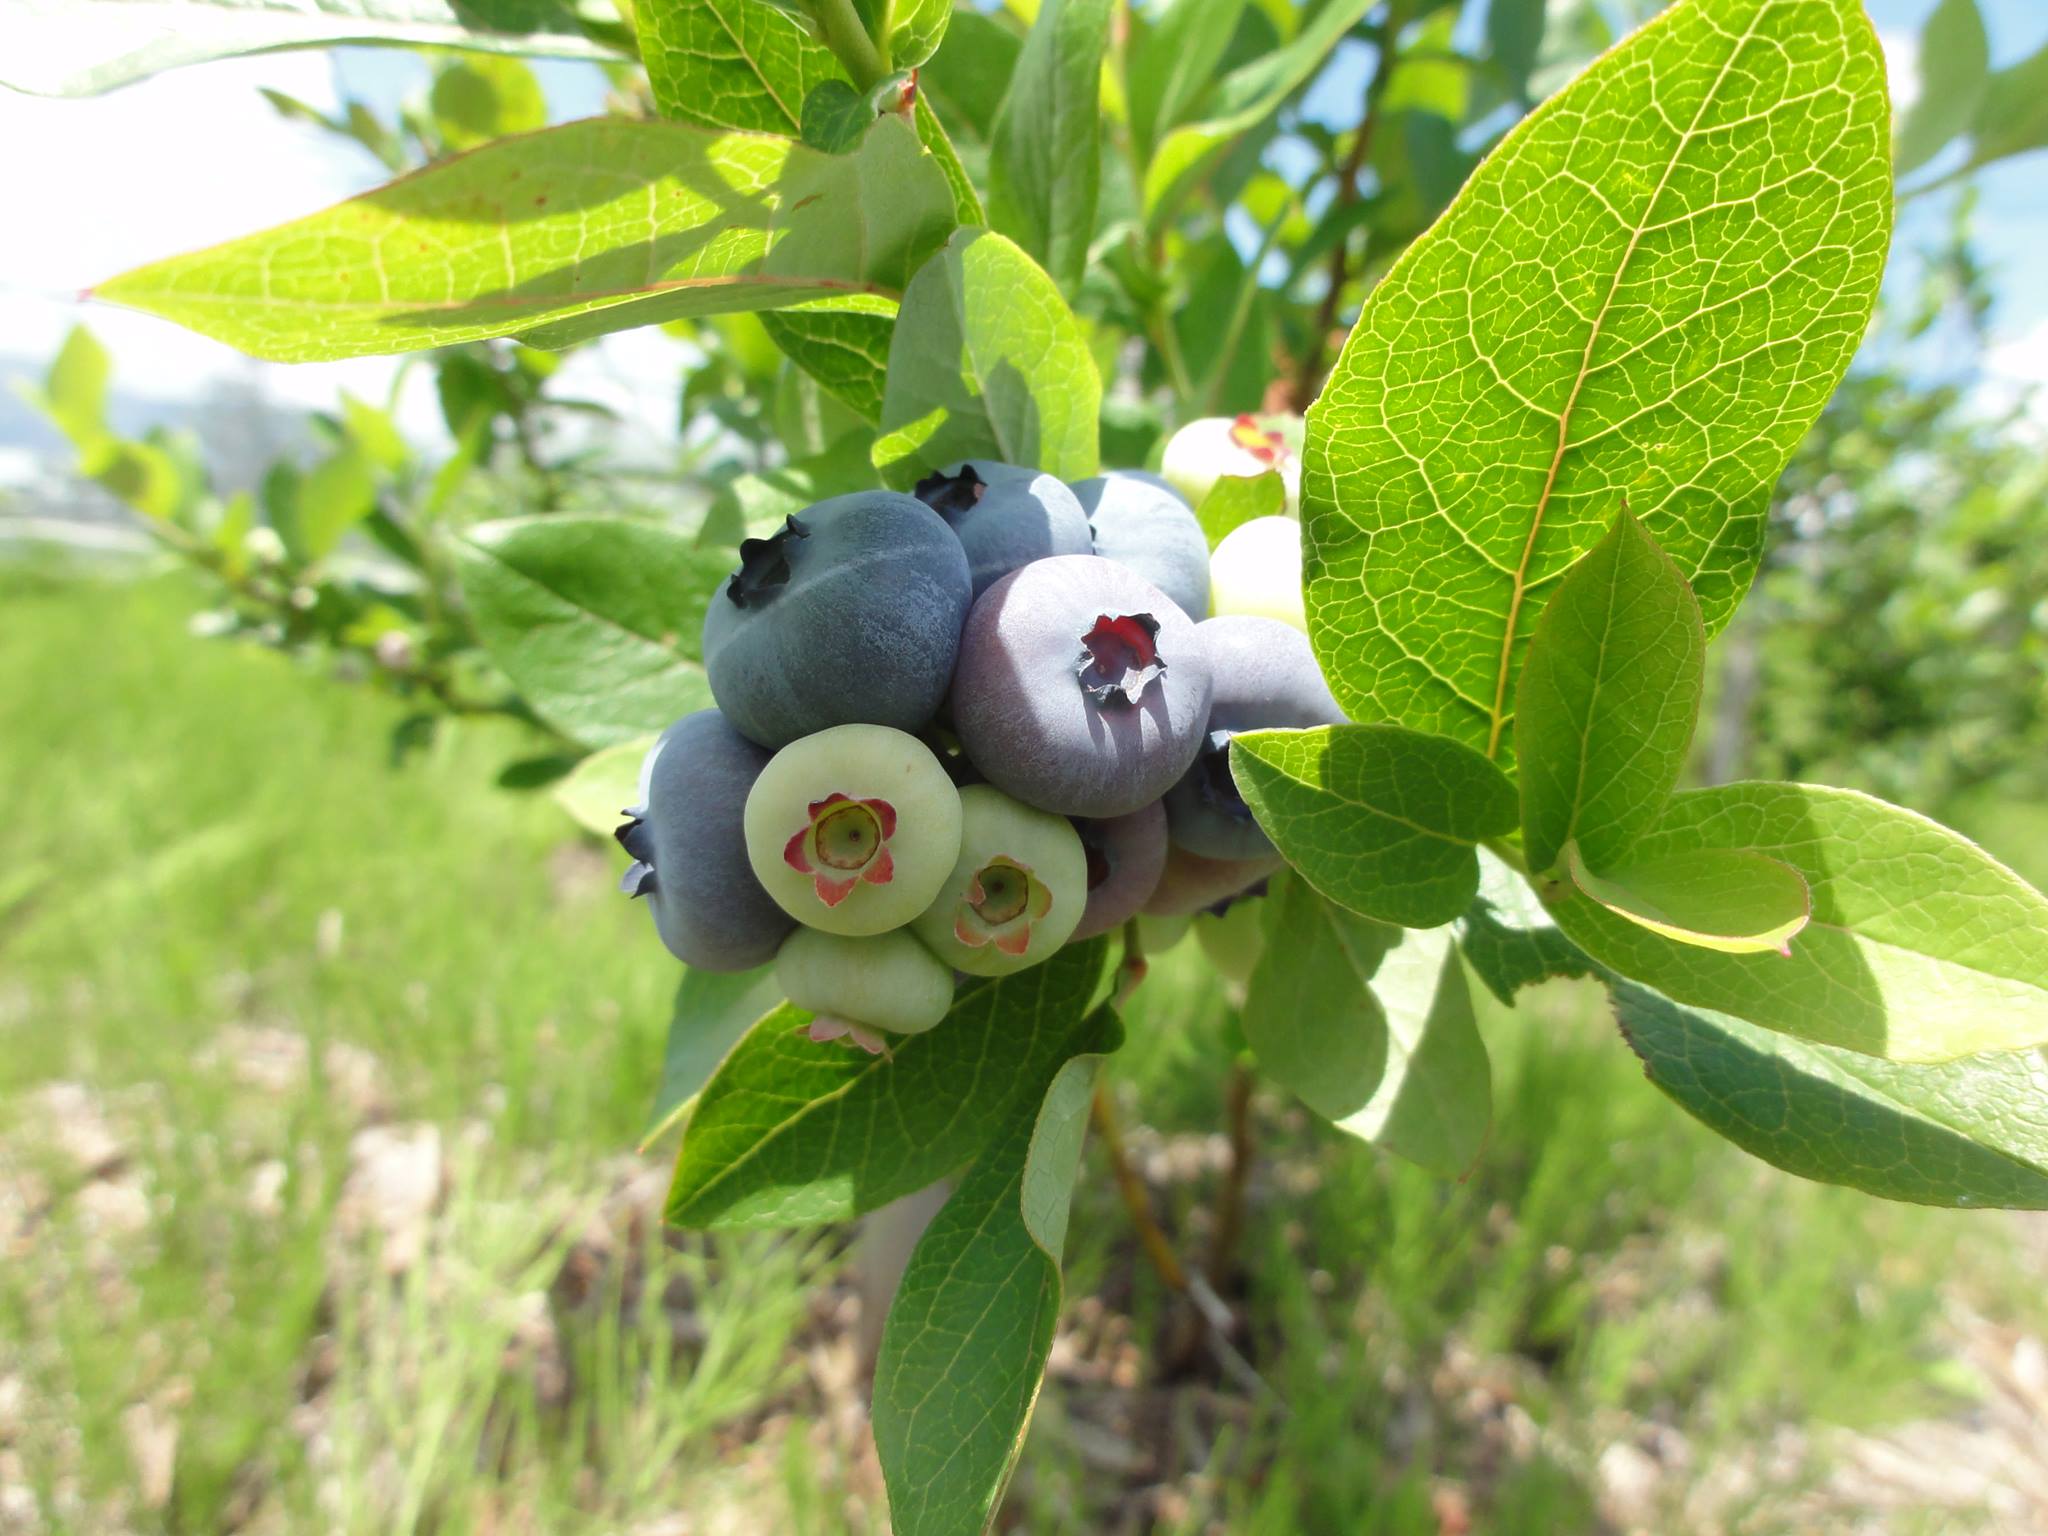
column 1521, row 575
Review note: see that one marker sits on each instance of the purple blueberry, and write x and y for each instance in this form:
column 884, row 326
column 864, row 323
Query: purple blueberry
column 1140, row 521
column 849, row 615
column 1005, row 516
column 1126, row 855
column 1194, row 884
column 1266, row 676
column 689, row 847
column 1082, row 688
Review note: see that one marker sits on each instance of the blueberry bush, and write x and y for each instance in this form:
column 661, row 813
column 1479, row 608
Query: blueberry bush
column 1169, row 514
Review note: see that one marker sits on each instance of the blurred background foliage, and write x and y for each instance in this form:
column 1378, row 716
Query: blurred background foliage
column 274, row 975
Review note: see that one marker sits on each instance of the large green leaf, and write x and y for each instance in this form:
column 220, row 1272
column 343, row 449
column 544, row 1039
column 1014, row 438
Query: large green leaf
column 1970, row 1132
column 791, row 1132
column 1045, row 163
column 2012, row 117
column 1434, row 1101
column 843, row 344
column 1955, row 62
column 598, row 790
column 1169, row 64
column 1920, row 948
column 1557, row 346
column 1308, row 1014
column 82, row 47
column 1235, row 500
column 969, row 77
column 755, row 504
column 713, row 1010
column 585, row 228
column 732, row 63
column 1379, row 819
column 1244, row 98
column 597, row 620
column 1609, row 695
column 972, row 1324
column 1510, row 939
column 987, row 362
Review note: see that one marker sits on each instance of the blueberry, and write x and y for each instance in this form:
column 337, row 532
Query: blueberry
column 1081, row 689
column 1126, row 855
column 1203, row 452
column 1005, row 516
column 853, row 830
column 1256, row 570
column 1266, row 675
column 1194, row 884
column 1140, row 521
column 1157, row 935
column 1233, row 941
column 690, row 851
column 850, row 614
column 1016, row 891
column 884, row 981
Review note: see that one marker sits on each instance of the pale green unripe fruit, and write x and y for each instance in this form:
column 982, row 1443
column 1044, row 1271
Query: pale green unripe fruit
column 1256, row 570
column 1204, row 451
column 1234, row 941
column 884, row 981
column 1159, row 934
column 853, row 830
column 1016, row 892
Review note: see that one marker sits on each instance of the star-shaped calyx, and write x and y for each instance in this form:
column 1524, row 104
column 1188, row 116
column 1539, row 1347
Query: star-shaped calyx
column 1002, row 903
column 845, row 842
column 764, row 565
column 1120, row 657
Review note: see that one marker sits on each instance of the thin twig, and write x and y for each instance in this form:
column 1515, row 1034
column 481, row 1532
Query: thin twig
column 1230, row 1203
column 1158, row 1250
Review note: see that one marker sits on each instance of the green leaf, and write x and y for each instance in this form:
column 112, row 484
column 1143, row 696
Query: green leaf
column 1045, row 165
column 755, row 504
column 596, row 620
column 83, row 47
column 565, row 234
column 1729, row 899
column 2012, row 118
column 842, row 343
column 967, row 209
column 597, row 791
column 74, row 392
column 1962, row 1133
column 1514, row 36
column 1235, row 500
column 920, row 28
column 1510, row 940
column 1434, row 1101
column 1955, row 62
column 1379, row 819
column 336, row 494
column 1169, row 64
column 733, row 63
column 480, row 99
column 1244, row 98
column 1609, row 695
column 1556, row 345
column 1920, row 947
column 968, row 1335
column 1308, row 1015
column 987, row 362
column 969, row 77
column 835, row 116
column 791, row 1133
column 713, row 1009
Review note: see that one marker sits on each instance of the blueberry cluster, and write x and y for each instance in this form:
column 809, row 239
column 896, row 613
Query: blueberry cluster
column 955, row 730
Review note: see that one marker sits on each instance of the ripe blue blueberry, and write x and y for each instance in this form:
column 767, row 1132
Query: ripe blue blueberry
column 1016, row 891
column 853, row 830
column 1140, row 521
column 690, row 850
column 855, row 985
column 1005, row 516
column 850, row 614
column 1266, row 676
column 1126, row 855
column 1082, row 688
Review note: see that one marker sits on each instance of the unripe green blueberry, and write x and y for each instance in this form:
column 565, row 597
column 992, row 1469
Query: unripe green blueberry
column 1159, row 934
column 853, row 830
column 1203, row 452
column 1256, row 570
column 883, row 981
column 1234, row 941
column 1017, row 890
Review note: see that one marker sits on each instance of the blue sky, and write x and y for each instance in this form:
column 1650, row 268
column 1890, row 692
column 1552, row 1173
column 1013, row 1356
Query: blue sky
column 196, row 156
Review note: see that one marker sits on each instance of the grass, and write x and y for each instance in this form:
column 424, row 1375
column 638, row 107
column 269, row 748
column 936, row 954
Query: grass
column 210, row 855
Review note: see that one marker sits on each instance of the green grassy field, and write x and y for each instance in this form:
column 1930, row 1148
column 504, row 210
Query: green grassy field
column 319, row 1079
